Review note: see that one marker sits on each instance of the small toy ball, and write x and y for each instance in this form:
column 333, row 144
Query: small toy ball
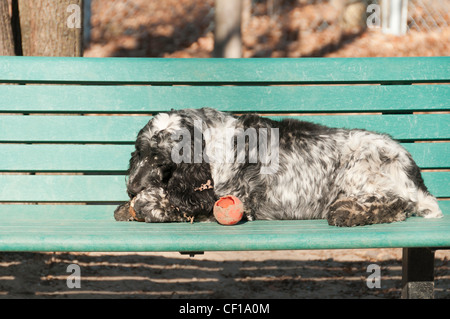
column 228, row 210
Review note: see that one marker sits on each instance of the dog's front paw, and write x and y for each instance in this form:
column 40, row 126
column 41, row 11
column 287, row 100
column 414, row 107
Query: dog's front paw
column 152, row 206
column 122, row 213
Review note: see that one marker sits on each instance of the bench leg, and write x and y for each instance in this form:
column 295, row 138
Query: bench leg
column 418, row 273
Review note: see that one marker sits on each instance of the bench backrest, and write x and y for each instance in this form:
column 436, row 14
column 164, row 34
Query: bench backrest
column 66, row 136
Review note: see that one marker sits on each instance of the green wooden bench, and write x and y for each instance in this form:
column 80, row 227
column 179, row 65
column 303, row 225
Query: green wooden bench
column 66, row 138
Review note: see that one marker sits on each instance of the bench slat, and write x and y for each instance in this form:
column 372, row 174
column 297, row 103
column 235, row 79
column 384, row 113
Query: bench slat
column 64, row 158
column 78, row 188
column 147, row 99
column 265, row 70
column 430, row 155
column 62, row 188
column 114, row 158
column 124, row 129
column 48, row 212
column 57, row 212
column 73, row 129
column 400, row 127
column 108, row 235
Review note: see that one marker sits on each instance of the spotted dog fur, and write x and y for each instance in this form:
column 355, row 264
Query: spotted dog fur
column 349, row 177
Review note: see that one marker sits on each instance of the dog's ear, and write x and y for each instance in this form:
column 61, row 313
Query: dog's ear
column 151, row 162
column 191, row 190
column 139, row 169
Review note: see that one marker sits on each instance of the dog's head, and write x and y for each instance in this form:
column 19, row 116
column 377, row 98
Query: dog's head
column 169, row 156
column 163, row 157
column 151, row 162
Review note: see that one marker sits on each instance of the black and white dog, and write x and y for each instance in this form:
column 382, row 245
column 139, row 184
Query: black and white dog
column 185, row 160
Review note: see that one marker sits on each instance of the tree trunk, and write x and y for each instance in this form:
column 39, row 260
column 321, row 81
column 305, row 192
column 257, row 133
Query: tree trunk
column 6, row 35
column 227, row 35
column 51, row 28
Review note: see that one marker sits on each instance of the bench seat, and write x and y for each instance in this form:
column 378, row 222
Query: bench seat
column 90, row 228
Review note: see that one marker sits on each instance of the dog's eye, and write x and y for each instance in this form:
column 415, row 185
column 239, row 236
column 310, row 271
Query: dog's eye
column 156, row 138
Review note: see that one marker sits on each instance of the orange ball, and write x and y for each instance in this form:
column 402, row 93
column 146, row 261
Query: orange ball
column 228, row 210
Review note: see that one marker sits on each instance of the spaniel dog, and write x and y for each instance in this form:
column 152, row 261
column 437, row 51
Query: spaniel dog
column 281, row 170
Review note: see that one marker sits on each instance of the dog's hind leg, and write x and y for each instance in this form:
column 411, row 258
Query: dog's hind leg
column 367, row 210
column 379, row 183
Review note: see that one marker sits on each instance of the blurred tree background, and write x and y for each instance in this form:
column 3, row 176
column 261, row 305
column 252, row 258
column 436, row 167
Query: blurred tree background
column 258, row 28
column 269, row 28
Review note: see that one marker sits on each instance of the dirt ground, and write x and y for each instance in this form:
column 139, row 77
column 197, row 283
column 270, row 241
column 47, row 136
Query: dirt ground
column 242, row 275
